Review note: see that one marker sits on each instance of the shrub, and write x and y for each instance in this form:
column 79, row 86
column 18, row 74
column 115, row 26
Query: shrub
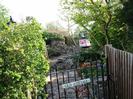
column 91, row 57
column 53, row 52
column 48, row 37
column 23, row 66
column 86, row 55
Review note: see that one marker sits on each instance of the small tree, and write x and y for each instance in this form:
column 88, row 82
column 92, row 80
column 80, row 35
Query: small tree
column 101, row 20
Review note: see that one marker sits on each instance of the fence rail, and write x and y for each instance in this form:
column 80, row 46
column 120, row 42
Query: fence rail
column 120, row 73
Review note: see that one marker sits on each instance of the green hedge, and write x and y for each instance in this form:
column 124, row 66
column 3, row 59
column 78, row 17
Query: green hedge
column 23, row 66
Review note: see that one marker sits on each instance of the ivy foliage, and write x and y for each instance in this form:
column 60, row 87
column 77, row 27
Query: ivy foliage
column 23, row 66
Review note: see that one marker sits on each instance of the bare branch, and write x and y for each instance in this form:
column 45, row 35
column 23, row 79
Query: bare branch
column 92, row 1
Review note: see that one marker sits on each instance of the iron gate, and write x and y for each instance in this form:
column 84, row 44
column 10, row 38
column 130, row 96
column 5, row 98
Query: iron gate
column 96, row 89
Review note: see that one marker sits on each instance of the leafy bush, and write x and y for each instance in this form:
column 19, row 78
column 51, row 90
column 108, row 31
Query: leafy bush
column 89, row 56
column 53, row 52
column 48, row 37
column 23, row 66
column 69, row 41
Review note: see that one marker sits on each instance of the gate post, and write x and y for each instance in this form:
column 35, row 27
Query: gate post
column 107, row 67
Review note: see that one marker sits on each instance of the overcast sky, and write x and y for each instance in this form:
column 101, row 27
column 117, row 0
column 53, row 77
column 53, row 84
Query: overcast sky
column 44, row 10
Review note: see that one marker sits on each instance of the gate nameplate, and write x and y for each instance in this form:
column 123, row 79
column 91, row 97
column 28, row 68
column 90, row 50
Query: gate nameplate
column 76, row 83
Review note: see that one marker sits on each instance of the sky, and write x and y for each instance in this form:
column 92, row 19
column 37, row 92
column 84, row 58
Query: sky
column 45, row 11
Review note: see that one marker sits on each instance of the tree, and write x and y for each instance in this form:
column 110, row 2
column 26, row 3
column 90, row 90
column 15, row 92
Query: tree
column 54, row 26
column 125, row 16
column 100, row 19
column 23, row 64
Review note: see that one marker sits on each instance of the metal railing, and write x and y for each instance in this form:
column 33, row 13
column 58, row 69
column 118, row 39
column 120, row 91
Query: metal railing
column 95, row 89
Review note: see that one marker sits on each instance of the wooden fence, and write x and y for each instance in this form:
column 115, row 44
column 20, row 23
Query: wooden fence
column 120, row 73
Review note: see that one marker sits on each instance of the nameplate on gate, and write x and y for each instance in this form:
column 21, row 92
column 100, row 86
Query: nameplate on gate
column 76, row 83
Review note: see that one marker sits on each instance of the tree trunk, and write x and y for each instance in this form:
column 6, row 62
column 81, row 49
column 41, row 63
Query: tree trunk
column 34, row 91
column 28, row 94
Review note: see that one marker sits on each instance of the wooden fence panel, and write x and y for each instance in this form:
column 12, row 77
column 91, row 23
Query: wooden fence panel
column 120, row 73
